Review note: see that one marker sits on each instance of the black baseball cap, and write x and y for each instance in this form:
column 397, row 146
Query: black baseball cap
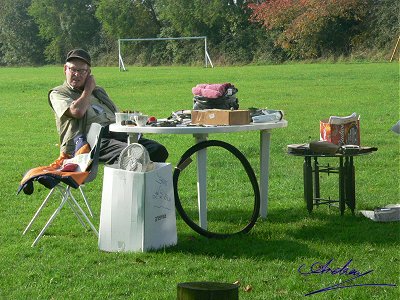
column 79, row 54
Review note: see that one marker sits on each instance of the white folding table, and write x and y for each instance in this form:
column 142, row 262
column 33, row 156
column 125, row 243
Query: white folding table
column 200, row 133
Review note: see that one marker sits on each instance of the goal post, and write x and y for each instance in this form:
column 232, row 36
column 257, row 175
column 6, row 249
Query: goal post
column 207, row 59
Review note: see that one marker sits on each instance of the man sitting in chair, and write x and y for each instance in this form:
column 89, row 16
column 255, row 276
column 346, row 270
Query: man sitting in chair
column 79, row 102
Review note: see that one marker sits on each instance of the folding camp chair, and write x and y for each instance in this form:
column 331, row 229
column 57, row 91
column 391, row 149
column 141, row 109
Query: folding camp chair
column 64, row 187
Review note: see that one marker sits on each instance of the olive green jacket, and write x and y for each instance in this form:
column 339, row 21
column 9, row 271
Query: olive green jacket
column 102, row 111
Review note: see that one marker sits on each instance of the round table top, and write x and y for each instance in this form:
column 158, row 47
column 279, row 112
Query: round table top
column 307, row 152
column 196, row 129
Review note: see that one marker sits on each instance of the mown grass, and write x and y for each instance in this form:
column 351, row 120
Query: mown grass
column 67, row 264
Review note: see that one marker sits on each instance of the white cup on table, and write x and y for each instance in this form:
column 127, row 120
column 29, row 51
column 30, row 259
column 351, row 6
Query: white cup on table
column 119, row 117
column 140, row 120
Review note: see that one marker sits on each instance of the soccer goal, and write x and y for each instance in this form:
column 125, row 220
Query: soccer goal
column 207, row 59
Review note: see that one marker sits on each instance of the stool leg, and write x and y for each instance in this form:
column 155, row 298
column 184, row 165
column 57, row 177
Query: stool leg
column 308, row 181
column 350, row 184
column 317, row 194
column 342, row 192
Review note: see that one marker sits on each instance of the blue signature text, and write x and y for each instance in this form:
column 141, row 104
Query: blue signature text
column 319, row 268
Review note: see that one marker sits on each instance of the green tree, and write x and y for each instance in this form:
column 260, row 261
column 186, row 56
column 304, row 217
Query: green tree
column 381, row 27
column 65, row 24
column 312, row 28
column 127, row 18
column 224, row 22
column 20, row 43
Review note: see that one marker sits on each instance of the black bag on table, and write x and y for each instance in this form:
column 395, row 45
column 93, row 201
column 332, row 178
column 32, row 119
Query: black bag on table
column 227, row 101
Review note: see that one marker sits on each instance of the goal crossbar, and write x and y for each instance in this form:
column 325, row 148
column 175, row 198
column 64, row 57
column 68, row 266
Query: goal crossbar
column 207, row 58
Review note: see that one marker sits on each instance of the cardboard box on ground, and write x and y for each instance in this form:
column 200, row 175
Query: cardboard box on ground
column 137, row 210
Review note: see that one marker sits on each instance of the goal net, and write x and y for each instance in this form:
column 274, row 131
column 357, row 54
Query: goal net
column 173, row 50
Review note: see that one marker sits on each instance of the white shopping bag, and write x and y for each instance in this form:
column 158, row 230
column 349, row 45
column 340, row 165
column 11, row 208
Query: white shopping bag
column 137, row 209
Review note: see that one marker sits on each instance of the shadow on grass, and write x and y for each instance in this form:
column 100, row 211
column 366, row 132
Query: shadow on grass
column 327, row 225
column 350, row 231
column 287, row 233
column 259, row 243
column 242, row 246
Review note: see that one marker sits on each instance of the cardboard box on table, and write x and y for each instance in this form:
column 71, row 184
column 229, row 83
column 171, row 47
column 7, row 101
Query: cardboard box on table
column 341, row 132
column 137, row 210
column 220, row 117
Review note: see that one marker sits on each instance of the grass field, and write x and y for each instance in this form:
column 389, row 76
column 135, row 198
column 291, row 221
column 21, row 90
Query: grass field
column 67, row 264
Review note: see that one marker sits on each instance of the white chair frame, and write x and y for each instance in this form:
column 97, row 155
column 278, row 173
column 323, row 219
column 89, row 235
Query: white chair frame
column 94, row 140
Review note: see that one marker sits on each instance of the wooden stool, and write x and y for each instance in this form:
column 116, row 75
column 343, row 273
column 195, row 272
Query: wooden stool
column 345, row 170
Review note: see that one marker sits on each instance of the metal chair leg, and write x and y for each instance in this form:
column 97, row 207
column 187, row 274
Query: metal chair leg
column 56, row 212
column 85, row 217
column 73, row 208
column 86, row 202
column 76, row 208
column 78, row 211
column 39, row 210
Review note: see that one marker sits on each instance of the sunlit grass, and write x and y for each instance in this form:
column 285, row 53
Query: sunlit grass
column 67, row 264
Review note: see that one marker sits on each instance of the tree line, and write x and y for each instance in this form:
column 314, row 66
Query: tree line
column 38, row 32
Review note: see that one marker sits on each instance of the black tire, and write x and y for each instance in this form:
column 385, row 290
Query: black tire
column 250, row 173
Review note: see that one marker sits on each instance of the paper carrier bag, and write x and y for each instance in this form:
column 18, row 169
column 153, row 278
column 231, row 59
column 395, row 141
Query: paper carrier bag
column 341, row 130
column 137, row 209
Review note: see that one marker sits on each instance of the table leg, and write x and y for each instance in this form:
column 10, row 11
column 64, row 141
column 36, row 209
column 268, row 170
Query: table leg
column 308, row 183
column 342, row 188
column 202, row 181
column 133, row 138
column 265, row 140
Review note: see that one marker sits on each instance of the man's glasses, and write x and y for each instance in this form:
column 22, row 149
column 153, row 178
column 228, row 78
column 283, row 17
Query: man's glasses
column 77, row 71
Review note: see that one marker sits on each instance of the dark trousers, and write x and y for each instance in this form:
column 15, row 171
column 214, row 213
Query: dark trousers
column 113, row 143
